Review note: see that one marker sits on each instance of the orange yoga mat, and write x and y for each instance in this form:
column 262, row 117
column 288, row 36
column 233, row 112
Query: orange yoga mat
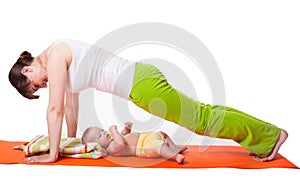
column 212, row 157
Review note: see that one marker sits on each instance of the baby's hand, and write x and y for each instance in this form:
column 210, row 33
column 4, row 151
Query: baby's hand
column 112, row 128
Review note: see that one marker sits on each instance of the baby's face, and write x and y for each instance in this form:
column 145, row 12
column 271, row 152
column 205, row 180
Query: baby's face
column 102, row 137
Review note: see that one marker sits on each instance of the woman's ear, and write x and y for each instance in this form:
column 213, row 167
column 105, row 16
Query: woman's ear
column 26, row 70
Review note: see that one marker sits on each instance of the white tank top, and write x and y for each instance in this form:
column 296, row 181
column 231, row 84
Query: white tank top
column 94, row 67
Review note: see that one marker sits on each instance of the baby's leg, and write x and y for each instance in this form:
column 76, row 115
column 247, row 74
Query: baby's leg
column 127, row 128
column 172, row 145
column 170, row 154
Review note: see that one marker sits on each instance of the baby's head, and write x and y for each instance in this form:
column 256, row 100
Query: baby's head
column 97, row 134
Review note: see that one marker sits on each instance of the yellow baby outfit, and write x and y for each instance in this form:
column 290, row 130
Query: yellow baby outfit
column 149, row 144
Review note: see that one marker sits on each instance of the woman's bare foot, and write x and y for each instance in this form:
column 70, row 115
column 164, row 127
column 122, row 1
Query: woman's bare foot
column 252, row 154
column 179, row 158
column 282, row 137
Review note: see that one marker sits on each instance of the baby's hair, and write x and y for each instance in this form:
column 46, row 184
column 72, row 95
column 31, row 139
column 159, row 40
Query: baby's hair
column 85, row 135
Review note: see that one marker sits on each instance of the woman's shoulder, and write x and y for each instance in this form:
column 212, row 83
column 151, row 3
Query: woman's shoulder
column 60, row 50
column 56, row 47
column 69, row 41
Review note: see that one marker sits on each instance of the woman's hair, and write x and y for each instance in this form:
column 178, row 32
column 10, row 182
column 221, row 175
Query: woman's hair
column 19, row 80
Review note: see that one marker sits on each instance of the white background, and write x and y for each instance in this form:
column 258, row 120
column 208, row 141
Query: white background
column 255, row 43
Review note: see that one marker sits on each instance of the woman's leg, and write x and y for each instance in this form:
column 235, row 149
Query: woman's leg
column 152, row 92
column 252, row 133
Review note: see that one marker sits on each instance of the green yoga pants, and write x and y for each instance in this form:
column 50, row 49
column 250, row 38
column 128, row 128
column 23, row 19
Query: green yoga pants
column 152, row 92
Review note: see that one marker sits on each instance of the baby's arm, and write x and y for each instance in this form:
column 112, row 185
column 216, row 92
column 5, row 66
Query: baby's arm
column 118, row 144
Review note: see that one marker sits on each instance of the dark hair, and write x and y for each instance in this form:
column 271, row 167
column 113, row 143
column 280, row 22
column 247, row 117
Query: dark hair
column 17, row 79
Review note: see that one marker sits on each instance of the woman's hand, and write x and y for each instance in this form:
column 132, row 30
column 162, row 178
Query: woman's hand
column 45, row 158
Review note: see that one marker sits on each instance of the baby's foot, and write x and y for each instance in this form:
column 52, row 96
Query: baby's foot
column 179, row 158
column 127, row 128
column 128, row 125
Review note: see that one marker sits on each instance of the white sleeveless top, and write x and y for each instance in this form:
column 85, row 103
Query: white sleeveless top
column 94, row 67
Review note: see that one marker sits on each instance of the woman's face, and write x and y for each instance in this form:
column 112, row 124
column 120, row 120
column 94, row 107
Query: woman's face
column 37, row 77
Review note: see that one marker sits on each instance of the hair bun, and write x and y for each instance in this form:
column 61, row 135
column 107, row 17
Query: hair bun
column 25, row 58
column 25, row 54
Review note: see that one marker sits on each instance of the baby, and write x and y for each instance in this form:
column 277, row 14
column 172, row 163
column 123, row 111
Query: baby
column 148, row 144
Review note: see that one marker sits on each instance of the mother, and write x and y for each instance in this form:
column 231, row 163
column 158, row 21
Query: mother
column 71, row 66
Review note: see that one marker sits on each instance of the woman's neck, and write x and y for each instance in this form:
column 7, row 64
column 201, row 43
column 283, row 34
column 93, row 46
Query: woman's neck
column 42, row 58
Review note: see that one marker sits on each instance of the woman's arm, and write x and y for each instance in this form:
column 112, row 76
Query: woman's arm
column 71, row 112
column 57, row 74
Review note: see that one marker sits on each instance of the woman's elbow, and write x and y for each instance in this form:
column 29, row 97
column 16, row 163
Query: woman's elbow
column 59, row 110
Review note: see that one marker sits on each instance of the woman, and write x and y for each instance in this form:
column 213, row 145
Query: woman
column 71, row 66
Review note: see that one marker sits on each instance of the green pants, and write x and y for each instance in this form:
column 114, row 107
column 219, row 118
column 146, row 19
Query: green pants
column 153, row 93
